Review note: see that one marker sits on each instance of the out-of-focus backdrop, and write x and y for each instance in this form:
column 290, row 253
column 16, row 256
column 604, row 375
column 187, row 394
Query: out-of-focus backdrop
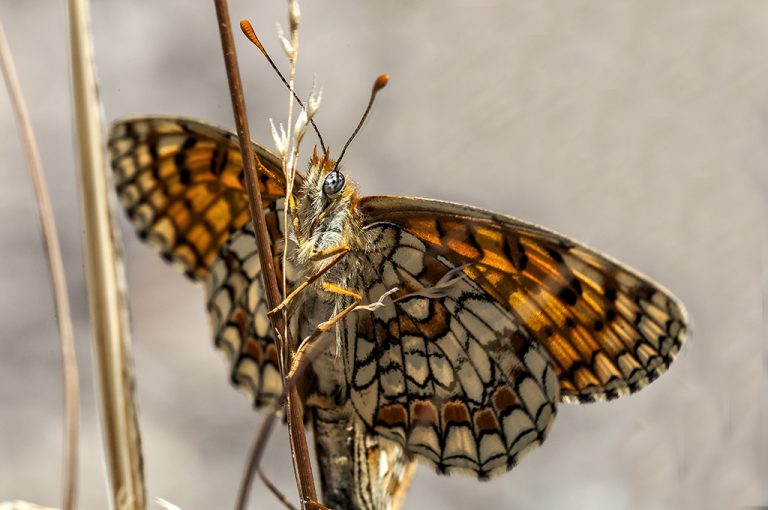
column 639, row 127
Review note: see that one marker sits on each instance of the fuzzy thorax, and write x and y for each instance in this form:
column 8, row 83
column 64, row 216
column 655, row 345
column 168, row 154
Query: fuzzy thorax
column 324, row 221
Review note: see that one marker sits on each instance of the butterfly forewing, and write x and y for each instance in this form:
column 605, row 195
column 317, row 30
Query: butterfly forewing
column 608, row 330
column 181, row 184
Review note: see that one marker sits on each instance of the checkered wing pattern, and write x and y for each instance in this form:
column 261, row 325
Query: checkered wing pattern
column 447, row 371
column 237, row 308
column 608, row 330
column 181, row 184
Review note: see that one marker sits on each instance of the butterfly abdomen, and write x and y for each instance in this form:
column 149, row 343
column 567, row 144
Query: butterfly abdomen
column 357, row 470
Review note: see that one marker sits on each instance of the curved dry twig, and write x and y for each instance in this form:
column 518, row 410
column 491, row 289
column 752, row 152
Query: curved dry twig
column 58, row 278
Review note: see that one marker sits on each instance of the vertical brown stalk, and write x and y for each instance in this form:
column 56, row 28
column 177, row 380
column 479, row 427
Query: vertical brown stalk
column 58, row 278
column 104, row 274
column 300, row 452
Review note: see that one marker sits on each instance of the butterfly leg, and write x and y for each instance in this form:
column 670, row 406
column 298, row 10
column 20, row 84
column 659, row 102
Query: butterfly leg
column 339, row 254
column 310, row 348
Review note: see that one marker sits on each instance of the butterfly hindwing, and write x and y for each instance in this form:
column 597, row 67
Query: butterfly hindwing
column 608, row 330
column 237, row 308
column 450, row 375
column 181, row 184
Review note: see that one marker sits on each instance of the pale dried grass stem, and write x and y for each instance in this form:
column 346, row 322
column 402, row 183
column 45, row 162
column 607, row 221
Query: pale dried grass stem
column 58, row 278
column 105, row 278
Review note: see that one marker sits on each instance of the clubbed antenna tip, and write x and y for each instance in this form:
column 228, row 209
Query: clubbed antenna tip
column 250, row 33
column 379, row 84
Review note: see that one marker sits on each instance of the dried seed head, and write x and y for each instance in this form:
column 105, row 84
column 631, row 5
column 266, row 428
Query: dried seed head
column 300, row 128
column 287, row 46
column 315, row 96
column 281, row 140
column 294, row 15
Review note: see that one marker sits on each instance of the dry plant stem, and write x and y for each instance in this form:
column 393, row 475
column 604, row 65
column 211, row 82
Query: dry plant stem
column 58, row 279
column 290, row 160
column 105, row 278
column 279, row 495
column 301, row 461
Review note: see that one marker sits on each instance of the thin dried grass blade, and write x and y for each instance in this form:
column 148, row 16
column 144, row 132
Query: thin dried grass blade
column 105, row 277
column 58, row 278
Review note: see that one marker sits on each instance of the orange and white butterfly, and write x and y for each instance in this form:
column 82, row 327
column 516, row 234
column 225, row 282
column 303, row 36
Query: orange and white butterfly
column 494, row 321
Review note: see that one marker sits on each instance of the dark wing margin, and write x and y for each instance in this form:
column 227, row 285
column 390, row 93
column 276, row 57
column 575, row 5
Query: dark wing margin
column 181, row 184
column 609, row 330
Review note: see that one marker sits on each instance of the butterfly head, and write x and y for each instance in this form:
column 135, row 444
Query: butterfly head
column 325, row 205
column 324, row 181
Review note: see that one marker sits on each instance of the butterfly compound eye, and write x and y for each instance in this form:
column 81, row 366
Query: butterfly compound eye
column 334, row 182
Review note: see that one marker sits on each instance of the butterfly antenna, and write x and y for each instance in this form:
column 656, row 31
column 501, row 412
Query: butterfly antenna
column 250, row 33
column 379, row 84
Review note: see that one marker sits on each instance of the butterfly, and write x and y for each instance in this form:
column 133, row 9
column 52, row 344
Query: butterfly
column 484, row 322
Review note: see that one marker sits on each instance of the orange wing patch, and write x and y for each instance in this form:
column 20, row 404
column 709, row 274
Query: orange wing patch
column 181, row 184
column 608, row 330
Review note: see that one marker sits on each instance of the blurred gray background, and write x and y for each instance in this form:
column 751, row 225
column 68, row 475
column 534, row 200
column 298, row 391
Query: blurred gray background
column 639, row 127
